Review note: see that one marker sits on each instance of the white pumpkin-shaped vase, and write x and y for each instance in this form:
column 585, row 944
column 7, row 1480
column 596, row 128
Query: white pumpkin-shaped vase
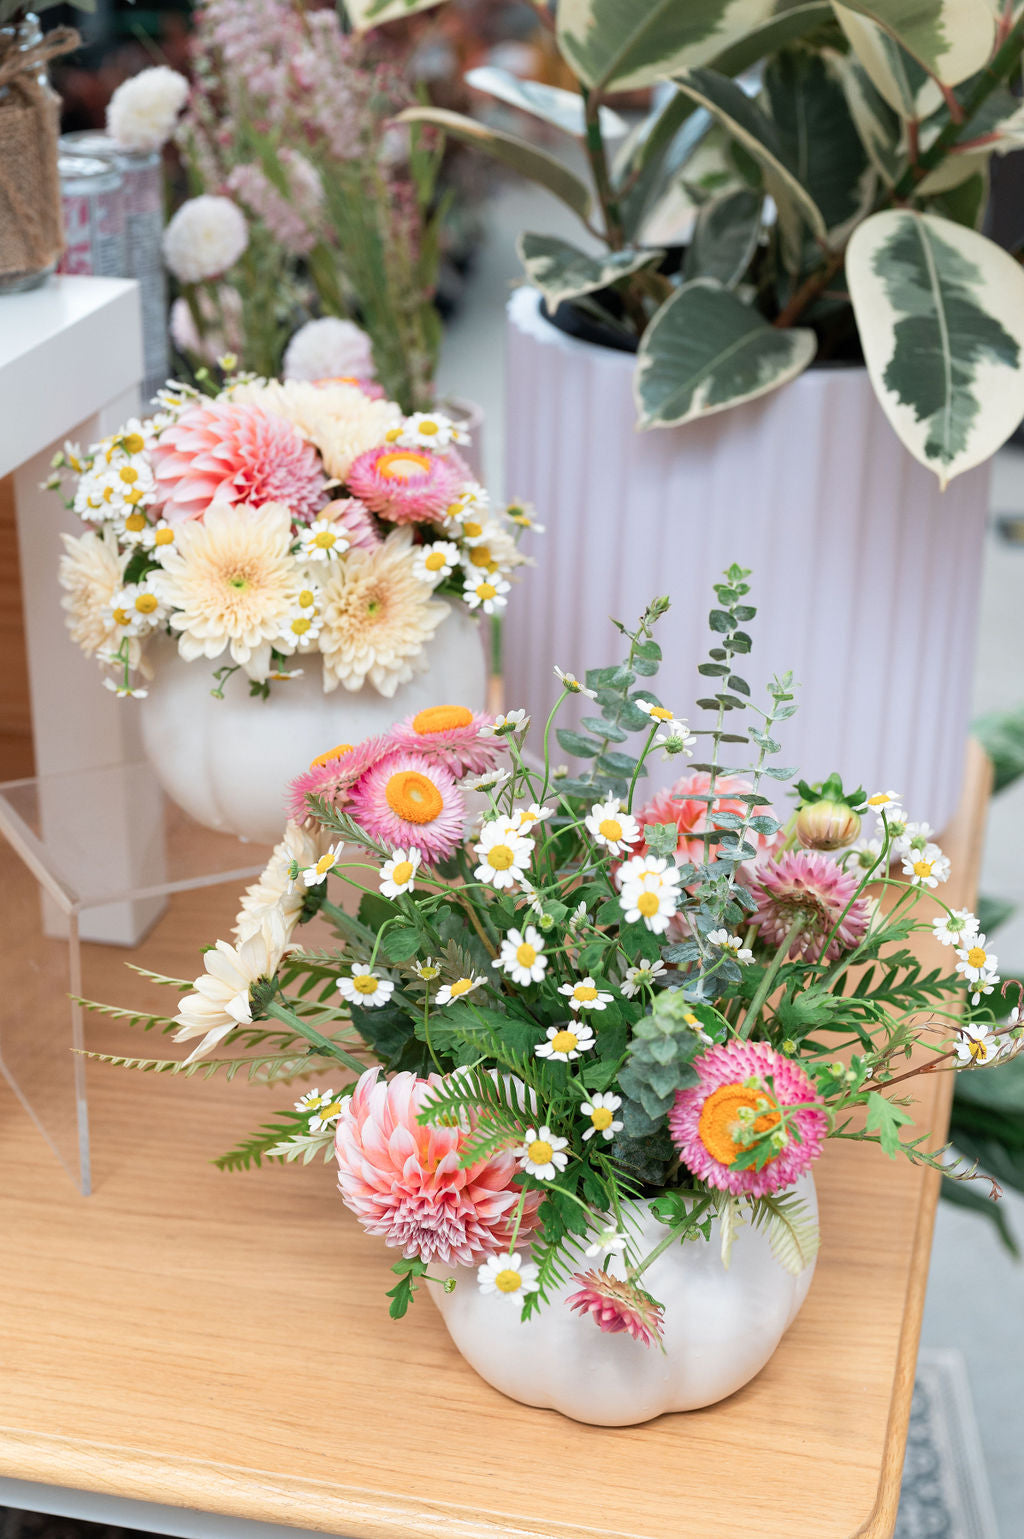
column 228, row 762
column 721, row 1326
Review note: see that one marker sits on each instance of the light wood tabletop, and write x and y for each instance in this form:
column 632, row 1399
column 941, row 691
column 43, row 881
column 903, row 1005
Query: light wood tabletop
column 221, row 1342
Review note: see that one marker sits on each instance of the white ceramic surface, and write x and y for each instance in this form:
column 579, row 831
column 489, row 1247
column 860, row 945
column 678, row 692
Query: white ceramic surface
column 866, row 577
column 228, row 762
column 721, row 1327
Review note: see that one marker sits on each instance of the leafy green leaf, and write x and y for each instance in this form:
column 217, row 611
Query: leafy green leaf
column 575, row 743
column 817, row 134
column 1001, row 734
column 885, row 1119
column 724, row 237
column 562, row 271
column 951, row 39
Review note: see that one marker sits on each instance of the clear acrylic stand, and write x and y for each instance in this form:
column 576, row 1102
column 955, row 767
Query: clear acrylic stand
column 71, row 877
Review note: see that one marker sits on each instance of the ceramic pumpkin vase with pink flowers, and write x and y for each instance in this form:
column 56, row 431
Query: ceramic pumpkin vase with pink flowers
column 276, row 567
column 573, row 1062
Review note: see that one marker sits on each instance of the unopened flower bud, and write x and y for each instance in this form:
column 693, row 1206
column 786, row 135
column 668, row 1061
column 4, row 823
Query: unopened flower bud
column 546, row 922
column 827, row 825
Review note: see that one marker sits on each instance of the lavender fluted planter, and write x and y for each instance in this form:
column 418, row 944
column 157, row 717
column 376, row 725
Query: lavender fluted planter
column 866, row 576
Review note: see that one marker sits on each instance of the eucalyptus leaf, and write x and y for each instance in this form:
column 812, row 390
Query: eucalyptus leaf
column 634, row 43
column 725, row 237
column 705, row 351
column 940, row 310
column 561, row 271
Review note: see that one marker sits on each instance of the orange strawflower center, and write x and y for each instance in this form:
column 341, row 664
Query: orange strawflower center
column 413, row 797
column 441, row 718
column 332, row 753
column 720, row 1119
column 403, row 465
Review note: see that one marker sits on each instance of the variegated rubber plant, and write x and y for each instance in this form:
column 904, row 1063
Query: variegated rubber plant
column 838, row 157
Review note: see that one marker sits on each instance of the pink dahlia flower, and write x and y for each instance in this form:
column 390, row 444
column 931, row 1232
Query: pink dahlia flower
column 349, row 514
column 807, row 885
column 407, row 799
column 743, row 1085
column 678, row 804
column 403, row 1181
column 617, row 1305
column 450, row 735
column 407, row 485
column 222, row 452
column 331, row 774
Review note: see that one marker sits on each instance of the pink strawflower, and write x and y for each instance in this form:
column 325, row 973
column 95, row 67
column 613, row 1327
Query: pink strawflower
column 742, row 1086
column 450, row 735
column 403, row 1181
column 332, row 773
column 221, row 452
column 807, row 884
column 407, row 485
column 678, row 804
column 407, row 799
column 356, row 520
column 617, row 1305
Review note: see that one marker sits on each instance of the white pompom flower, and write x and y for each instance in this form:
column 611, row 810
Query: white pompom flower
column 207, row 235
column 143, row 111
column 329, row 348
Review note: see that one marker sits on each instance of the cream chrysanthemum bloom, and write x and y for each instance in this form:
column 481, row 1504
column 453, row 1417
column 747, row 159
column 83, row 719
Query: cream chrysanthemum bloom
column 378, row 618
column 338, row 419
column 232, row 583
column 222, row 996
column 143, row 111
column 274, row 891
column 91, row 572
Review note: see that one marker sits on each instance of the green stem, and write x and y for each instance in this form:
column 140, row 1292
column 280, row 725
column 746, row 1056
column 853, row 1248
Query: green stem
column 639, row 766
column 765, row 986
column 674, row 1237
column 303, row 1029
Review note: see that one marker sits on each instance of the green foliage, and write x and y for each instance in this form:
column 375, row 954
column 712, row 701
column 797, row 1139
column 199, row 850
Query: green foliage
column 402, row 1294
column 659, row 1063
column 1001, row 734
column 886, row 1119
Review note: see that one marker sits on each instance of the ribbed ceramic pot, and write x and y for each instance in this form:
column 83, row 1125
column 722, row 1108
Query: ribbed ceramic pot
column 866, row 577
column 721, row 1327
column 228, row 762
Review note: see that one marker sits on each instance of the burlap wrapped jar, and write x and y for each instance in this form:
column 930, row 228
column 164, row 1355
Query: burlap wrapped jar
column 31, row 229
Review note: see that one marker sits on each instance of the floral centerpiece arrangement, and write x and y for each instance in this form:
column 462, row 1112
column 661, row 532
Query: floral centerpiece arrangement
column 268, row 522
column 587, row 1011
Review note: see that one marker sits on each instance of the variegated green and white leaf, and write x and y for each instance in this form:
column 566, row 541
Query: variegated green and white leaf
column 951, row 39
column 561, row 271
column 899, row 79
column 967, row 202
column 725, row 237
column 563, row 109
column 940, row 311
column 370, row 13
column 521, row 156
column 630, row 44
column 879, row 126
column 705, row 351
column 817, row 134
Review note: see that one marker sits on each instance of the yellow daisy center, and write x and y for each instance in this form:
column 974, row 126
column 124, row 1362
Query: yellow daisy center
column 122, row 617
column 540, row 1151
column 435, row 561
column 325, row 540
column 402, row 872
column 325, row 863
column 648, row 903
column 365, row 983
column 413, row 797
column 584, row 992
column 441, row 718
column 526, row 954
column 977, row 956
column 300, row 625
column 332, row 753
column 500, row 857
column 601, row 1117
column 145, row 603
column 307, row 598
column 660, row 714
column 428, row 427
column 720, row 1118
column 129, row 474
column 486, row 590
column 564, row 1041
column 472, row 530
column 923, row 867
column 461, row 986
column 610, row 828
column 133, row 443
column 164, row 537
column 480, row 555
column 878, row 800
column 976, row 1049
column 508, row 1281
column 134, row 522
column 403, row 465
column 330, row 1111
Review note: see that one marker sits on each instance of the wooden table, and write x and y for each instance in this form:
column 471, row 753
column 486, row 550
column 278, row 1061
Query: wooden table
column 221, row 1343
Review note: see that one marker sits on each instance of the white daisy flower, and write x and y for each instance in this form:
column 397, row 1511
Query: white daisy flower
column 436, row 561
column 327, row 1114
column 733, row 944
column 866, row 853
column 323, row 541
column 522, row 956
column 314, row 875
column 649, row 891
column 124, row 691
column 136, row 609
column 642, row 976
column 984, row 985
column 927, row 867
column 884, row 801
column 131, row 530
column 158, row 537
column 458, row 990
column 430, row 430
column 486, row 592
column 606, row 1242
column 976, row 1045
column 665, row 717
column 365, row 988
column 508, row 1275
column 526, row 818
column 564, row 1043
column 955, row 928
column 470, row 509
column 491, row 780
column 541, row 1154
column 573, row 685
column 521, row 513
column 612, row 827
column 398, row 874
column 975, row 957
column 509, row 721
column 300, row 631
column 503, row 853
column 897, row 824
column 428, row 969
column 577, row 918
column 313, row 1100
column 917, row 836
column 585, row 995
column 677, row 739
column 601, row 1111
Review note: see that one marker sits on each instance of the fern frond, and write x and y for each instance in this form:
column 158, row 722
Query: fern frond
column 129, row 1017
column 792, row 1233
column 254, row 1068
column 730, row 1220
column 305, row 1146
column 188, row 984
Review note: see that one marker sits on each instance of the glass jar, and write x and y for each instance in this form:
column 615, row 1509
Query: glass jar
column 31, row 230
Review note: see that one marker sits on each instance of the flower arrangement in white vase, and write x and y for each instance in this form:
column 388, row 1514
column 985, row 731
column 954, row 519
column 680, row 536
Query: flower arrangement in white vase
column 287, row 541
column 608, row 1038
